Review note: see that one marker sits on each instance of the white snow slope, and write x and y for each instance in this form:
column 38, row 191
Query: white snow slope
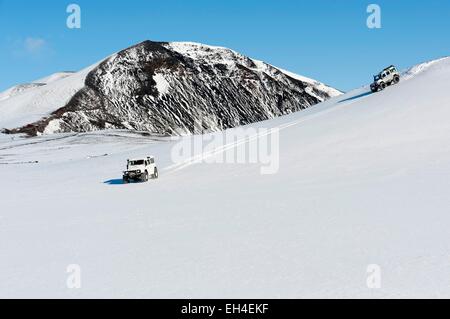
column 364, row 179
column 27, row 103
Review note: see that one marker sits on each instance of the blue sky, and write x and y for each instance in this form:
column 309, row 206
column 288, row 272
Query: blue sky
column 324, row 39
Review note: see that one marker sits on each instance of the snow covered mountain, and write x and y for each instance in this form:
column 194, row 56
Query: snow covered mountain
column 363, row 180
column 161, row 88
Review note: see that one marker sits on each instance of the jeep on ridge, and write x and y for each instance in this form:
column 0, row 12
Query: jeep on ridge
column 140, row 170
column 385, row 78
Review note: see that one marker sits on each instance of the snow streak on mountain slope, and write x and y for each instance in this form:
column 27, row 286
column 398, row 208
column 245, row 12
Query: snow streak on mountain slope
column 364, row 179
column 171, row 89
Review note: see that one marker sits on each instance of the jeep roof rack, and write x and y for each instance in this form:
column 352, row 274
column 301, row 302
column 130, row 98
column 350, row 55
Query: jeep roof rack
column 389, row 67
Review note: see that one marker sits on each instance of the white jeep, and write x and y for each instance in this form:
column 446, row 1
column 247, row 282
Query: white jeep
column 386, row 77
column 140, row 170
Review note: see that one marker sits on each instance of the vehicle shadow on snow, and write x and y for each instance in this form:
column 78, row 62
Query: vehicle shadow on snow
column 119, row 182
column 357, row 97
column 114, row 182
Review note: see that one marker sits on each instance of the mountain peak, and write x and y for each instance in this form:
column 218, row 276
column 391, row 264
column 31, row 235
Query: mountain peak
column 167, row 88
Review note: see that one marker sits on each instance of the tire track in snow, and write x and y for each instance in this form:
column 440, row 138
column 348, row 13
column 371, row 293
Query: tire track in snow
column 199, row 158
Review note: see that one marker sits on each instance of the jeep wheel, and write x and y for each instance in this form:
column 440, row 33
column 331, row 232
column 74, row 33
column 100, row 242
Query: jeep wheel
column 144, row 177
column 382, row 86
column 155, row 174
column 396, row 79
